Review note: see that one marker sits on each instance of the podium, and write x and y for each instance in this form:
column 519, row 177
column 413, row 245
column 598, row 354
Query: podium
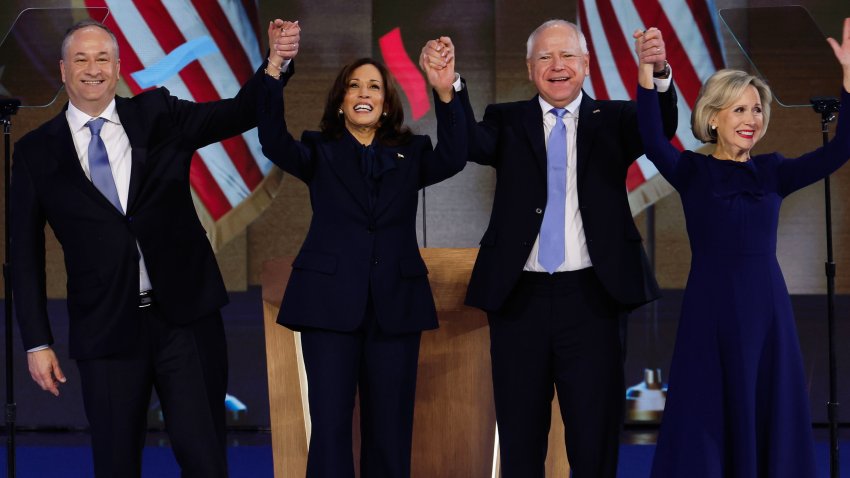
column 454, row 425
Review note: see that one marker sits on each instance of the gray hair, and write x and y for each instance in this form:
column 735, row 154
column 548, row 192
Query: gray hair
column 88, row 22
column 719, row 92
column 552, row 23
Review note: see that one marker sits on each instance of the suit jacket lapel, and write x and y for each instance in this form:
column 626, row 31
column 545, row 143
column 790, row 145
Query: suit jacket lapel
column 344, row 162
column 62, row 147
column 136, row 134
column 588, row 122
column 532, row 119
column 392, row 181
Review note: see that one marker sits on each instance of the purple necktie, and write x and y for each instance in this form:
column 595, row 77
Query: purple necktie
column 101, row 171
column 551, row 252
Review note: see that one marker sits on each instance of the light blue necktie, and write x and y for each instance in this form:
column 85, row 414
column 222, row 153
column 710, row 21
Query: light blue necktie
column 551, row 252
column 101, row 171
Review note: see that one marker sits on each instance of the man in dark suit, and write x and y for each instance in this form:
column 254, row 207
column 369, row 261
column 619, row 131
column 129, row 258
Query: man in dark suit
column 561, row 260
column 111, row 177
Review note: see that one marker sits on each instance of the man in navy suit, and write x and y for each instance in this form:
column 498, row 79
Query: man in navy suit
column 554, row 317
column 111, row 177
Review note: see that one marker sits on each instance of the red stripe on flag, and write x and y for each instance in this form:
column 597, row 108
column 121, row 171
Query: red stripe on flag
column 686, row 77
column 634, row 177
column 202, row 181
column 620, row 48
column 129, row 61
column 677, row 143
column 699, row 10
column 405, row 72
column 207, row 188
column 222, row 32
column 169, row 37
column 596, row 78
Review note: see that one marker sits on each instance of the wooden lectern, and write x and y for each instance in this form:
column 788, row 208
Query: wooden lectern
column 454, row 429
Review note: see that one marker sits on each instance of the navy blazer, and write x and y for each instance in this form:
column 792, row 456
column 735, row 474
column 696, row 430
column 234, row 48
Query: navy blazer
column 511, row 139
column 351, row 251
column 99, row 243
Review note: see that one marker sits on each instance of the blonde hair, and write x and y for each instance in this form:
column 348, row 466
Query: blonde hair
column 718, row 92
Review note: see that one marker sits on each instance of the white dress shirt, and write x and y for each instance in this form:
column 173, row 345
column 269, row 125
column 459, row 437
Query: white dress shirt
column 120, row 159
column 575, row 245
column 576, row 256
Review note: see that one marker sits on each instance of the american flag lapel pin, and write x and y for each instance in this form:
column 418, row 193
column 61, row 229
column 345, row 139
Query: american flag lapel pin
column 399, row 156
column 596, row 111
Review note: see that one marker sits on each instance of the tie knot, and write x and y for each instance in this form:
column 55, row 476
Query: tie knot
column 559, row 112
column 95, row 125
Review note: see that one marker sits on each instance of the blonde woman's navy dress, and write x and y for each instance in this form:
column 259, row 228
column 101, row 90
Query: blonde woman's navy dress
column 738, row 402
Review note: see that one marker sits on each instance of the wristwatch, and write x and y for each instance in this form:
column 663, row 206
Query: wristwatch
column 665, row 73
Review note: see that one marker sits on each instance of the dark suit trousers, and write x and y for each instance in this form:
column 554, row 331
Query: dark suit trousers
column 384, row 368
column 188, row 367
column 560, row 330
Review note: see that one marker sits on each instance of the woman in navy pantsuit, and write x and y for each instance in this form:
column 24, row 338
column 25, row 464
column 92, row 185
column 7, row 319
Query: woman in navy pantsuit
column 359, row 291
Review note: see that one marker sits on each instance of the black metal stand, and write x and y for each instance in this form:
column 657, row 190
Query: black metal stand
column 8, row 107
column 827, row 107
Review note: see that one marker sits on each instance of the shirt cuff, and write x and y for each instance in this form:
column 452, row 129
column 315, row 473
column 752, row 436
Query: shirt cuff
column 457, row 84
column 39, row 348
column 663, row 84
column 285, row 65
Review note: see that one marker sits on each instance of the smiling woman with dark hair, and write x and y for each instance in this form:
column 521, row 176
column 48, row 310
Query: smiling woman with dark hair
column 390, row 130
column 359, row 291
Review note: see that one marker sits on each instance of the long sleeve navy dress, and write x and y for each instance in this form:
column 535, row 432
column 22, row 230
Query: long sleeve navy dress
column 738, row 403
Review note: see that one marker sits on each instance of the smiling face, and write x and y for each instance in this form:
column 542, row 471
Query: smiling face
column 739, row 126
column 90, row 69
column 363, row 102
column 557, row 65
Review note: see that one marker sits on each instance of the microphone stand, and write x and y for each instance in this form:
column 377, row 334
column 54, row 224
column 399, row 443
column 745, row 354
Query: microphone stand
column 8, row 107
column 827, row 107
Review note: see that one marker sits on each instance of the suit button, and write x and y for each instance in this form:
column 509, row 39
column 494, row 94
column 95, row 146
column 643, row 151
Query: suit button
column 375, row 260
column 129, row 218
column 538, row 211
column 371, row 228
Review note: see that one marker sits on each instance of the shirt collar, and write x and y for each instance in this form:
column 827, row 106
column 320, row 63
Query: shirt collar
column 77, row 119
column 572, row 107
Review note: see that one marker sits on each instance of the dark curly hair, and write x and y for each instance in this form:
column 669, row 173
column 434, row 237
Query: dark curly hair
column 391, row 129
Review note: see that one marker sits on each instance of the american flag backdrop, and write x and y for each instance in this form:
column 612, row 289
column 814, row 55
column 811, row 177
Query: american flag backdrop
column 694, row 50
column 201, row 50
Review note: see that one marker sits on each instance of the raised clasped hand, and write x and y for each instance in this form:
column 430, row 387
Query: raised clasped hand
column 438, row 62
column 284, row 39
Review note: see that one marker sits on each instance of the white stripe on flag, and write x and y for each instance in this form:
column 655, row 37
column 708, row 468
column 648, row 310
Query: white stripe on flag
column 148, row 50
column 629, row 20
column 646, row 167
column 682, row 19
column 222, row 77
column 191, row 26
column 602, row 54
column 241, row 24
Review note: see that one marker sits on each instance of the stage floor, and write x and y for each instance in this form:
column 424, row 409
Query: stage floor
column 67, row 455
